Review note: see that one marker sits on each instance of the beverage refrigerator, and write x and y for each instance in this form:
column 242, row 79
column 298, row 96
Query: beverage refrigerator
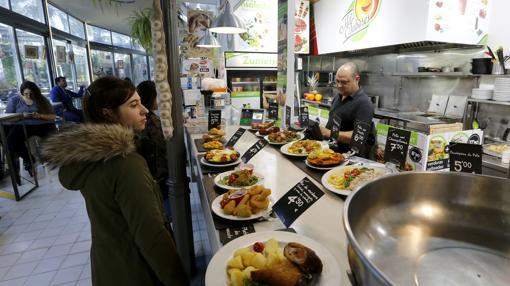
column 250, row 76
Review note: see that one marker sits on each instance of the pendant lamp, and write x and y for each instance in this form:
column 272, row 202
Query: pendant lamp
column 227, row 22
column 208, row 41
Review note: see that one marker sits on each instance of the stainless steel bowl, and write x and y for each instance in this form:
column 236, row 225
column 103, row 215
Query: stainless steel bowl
column 429, row 228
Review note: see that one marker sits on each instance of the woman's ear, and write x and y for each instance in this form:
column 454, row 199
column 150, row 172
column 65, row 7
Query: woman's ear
column 108, row 114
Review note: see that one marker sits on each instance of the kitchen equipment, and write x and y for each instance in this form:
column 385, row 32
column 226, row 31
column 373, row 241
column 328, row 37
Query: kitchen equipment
column 430, row 228
column 481, row 93
column 438, row 104
column 455, row 107
column 481, row 66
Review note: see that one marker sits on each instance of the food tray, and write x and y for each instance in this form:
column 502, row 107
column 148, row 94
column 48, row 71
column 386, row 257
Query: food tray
column 492, row 153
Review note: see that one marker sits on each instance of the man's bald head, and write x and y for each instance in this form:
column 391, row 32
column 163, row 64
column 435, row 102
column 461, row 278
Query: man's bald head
column 347, row 78
column 350, row 69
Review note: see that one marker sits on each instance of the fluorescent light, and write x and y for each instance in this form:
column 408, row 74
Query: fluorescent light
column 227, row 22
column 208, row 41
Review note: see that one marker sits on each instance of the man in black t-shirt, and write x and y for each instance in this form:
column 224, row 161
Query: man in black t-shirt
column 349, row 105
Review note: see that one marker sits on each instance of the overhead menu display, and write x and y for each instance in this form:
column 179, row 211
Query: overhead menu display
column 260, row 19
column 250, row 60
column 360, row 24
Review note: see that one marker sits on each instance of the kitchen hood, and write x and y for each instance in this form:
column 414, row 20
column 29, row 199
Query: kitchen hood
column 375, row 26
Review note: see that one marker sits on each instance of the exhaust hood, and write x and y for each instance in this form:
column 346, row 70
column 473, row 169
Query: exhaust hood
column 375, row 26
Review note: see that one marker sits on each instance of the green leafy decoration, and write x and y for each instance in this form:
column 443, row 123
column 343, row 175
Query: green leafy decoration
column 140, row 23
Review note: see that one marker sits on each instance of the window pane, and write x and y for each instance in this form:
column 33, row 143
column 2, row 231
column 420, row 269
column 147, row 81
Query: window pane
column 137, row 46
column 76, row 27
column 122, row 65
column 58, row 19
column 151, row 67
column 10, row 76
column 140, row 69
column 29, row 8
column 82, row 68
column 61, row 52
column 99, row 35
column 102, row 63
column 4, row 3
column 121, row 40
column 33, row 57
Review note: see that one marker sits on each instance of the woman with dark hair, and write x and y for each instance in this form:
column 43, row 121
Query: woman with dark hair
column 151, row 144
column 39, row 120
column 131, row 240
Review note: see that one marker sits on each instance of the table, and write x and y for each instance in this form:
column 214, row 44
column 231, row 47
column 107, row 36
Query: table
column 10, row 118
column 322, row 222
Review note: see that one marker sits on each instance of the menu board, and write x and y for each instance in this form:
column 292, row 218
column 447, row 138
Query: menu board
column 303, row 116
column 397, row 144
column 297, row 200
column 214, row 119
column 288, row 115
column 230, row 233
column 466, row 158
column 261, row 21
column 359, row 136
column 302, row 27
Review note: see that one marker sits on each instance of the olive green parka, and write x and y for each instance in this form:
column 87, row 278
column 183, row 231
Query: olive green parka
column 131, row 244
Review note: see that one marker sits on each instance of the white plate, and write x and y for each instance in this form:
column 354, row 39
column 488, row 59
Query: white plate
column 218, row 178
column 300, row 136
column 345, row 192
column 216, row 274
column 325, row 168
column 216, row 208
column 285, row 149
column 259, row 135
column 204, row 162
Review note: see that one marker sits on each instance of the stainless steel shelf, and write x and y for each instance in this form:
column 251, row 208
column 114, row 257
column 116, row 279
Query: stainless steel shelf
column 433, row 74
column 244, row 82
column 489, row 101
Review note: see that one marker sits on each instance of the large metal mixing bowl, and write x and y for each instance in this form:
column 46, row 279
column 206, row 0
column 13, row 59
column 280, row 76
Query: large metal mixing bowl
column 428, row 228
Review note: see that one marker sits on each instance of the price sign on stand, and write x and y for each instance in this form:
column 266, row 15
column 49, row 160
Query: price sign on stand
column 360, row 135
column 233, row 140
column 214, row 119
column 288, row 115
column 273, row 111
column 335, row 127
column 303, row 116
column 397, row 144
column 296, row 201
column 466, row 158
column 230, row 233
column 259, row 145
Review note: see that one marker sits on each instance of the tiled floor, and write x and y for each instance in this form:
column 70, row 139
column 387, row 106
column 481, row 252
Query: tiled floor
column 45, row 238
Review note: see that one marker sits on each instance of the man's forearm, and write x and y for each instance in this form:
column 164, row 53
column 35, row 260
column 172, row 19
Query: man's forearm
column 344, row 137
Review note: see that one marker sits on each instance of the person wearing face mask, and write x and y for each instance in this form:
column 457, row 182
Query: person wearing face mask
column 132, row 242
column 351, row 104
column 59, row 93
column 39, row 120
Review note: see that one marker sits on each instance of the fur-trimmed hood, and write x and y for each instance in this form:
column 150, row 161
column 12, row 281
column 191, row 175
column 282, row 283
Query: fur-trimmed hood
column 89, row 143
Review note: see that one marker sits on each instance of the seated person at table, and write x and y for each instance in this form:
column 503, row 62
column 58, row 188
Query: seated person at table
column 59, row 93
column 39, row 120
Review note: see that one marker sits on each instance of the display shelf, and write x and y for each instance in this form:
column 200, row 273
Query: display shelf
column 489, row 101
column 433, row 74
column 244, row 82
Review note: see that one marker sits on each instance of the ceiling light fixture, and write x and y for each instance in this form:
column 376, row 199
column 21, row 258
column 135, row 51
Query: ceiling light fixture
column 227, row 22
column 208, row 41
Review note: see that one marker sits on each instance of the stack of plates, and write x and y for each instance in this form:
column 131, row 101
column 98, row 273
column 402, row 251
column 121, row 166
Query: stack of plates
column 501, row 89
column 479, row 93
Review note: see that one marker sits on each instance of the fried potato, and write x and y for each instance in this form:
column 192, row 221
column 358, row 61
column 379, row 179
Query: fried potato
column 229, row 208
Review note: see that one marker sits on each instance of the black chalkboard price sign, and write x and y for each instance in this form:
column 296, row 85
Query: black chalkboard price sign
column 273, row 111
column 336, row 122
column 254, row 149
column 214, row 119
column 297, row 200
column 466, row 158
column 288, row 115
column 233, row 140
column 360, row 135
column 303, row 116
column 397, row 144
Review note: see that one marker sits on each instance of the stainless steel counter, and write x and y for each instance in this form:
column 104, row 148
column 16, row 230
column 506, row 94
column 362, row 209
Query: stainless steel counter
column 492, row 166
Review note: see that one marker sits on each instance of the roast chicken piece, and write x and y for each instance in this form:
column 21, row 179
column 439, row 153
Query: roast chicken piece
column 282, row 274
column 303, row 257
